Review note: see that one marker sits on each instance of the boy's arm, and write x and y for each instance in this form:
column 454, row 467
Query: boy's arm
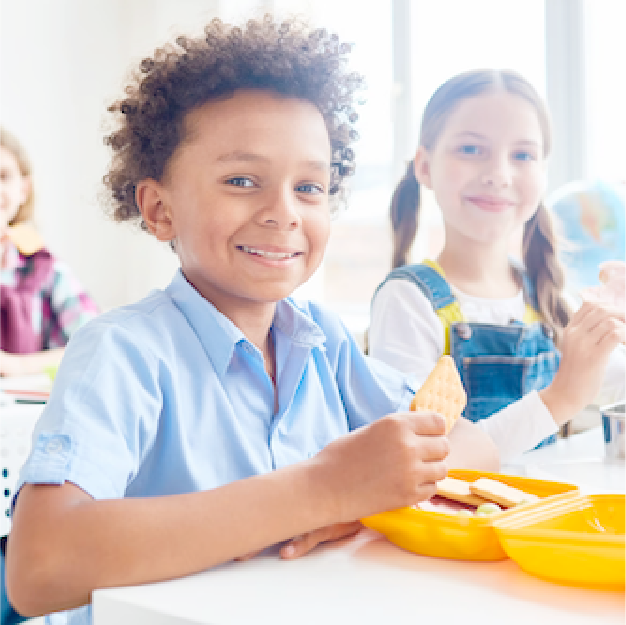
column 64, row 544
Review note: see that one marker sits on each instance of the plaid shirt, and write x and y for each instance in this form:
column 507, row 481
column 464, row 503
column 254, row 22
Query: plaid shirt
column 41, row 302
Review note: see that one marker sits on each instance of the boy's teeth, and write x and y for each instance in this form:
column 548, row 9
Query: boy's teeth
column 272, row 255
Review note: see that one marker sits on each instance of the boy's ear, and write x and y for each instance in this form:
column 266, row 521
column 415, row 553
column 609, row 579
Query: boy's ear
column 151, row 199
column 421, row 164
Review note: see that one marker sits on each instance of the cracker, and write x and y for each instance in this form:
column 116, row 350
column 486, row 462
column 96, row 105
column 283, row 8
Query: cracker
column 458, row 490
column 442, row 392
column 502, row 494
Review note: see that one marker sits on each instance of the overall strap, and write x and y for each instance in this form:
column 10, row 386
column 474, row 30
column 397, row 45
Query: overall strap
column 430, row 281
column 429, row 278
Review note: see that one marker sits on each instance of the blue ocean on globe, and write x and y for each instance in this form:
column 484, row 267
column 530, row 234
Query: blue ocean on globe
column 592, row 218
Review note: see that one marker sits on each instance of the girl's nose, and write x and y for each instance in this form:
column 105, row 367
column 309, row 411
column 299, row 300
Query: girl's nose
column 498, row 174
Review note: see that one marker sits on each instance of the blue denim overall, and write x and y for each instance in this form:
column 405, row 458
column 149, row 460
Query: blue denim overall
column 498, row 364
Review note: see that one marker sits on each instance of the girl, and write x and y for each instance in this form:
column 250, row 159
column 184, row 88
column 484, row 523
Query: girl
column 218, row 417
column 484, row 140
column 41, row 302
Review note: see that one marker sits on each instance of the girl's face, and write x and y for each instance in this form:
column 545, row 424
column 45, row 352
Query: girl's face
column 14, row 188
column 486, row 169
column 245, row 198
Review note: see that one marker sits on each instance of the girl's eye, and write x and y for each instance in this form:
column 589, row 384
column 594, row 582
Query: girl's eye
column 312, row 189
column 524, row 156
column 471, row 150
column 240, row 181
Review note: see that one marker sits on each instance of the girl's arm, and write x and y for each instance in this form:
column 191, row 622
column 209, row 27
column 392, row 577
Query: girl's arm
column 64, row 544
column 589, row 339
column 27, row 364
column 405, row 332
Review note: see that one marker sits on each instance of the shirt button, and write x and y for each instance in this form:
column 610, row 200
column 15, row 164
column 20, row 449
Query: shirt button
column 54, row 446
column 464, row 331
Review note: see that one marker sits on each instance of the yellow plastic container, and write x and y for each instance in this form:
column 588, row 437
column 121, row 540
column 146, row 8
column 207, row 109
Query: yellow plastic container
column 450, row 536
column 571, row 539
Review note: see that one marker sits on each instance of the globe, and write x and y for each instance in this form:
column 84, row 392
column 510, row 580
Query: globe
column 591, row 218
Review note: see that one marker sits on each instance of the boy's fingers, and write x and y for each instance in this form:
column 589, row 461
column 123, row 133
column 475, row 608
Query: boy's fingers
column 426, row 423
column 301, row 545
column 432, row 472
column 434, row 449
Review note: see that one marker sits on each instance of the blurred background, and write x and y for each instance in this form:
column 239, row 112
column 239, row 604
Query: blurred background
column 63, row 61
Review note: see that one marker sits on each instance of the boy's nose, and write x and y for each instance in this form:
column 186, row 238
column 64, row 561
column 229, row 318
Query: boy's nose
column 281, row 210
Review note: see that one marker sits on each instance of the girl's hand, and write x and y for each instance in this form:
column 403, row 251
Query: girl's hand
column 588, row 340
column 391, row 463
column 301, row 545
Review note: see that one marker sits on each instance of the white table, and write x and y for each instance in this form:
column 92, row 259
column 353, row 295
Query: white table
column 367, row 580
column 17, row 422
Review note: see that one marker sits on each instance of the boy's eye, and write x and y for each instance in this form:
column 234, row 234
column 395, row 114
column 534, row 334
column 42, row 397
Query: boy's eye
column 471, row 150
column 240, row 181
column 313, row 189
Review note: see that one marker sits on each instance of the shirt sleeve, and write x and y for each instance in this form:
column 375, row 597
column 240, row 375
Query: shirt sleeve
column 102, row 415
column 520, row 426
column 405, row 331
column 70, row 306
column 369, row 388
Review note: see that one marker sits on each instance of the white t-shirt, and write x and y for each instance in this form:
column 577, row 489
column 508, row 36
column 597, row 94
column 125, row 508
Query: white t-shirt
column 406, row 333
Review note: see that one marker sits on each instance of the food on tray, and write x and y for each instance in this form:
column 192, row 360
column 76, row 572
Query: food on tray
column 486, row 509
column 458, row 490
column 482, row 497
column 442, row 392
column 612, row 275
column 500, row 493
column 442, row 505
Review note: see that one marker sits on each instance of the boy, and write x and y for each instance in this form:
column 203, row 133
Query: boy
column 218, row 417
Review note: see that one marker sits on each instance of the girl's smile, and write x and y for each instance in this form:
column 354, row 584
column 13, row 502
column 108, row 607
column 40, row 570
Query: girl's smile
column 490, row 203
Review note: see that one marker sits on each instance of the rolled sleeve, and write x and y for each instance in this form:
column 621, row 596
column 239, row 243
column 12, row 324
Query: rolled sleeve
column 101, row 417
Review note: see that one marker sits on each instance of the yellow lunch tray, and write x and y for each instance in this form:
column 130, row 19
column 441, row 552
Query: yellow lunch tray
column 571, row 539
column 450, row 536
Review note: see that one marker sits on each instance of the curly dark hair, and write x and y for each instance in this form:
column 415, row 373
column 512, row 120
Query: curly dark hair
column 287, row 58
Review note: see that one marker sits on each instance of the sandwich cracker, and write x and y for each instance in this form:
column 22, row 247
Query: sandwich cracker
column 442, row 392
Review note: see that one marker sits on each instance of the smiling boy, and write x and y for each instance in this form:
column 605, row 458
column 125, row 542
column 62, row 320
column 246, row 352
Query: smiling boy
column 218, row 417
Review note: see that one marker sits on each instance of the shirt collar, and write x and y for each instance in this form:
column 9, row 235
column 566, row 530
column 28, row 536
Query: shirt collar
column 219, row 335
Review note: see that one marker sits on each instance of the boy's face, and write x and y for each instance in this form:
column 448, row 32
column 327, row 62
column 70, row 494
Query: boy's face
column 245, row 198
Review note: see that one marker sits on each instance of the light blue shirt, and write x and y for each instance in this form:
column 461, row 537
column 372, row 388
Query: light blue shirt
column 168, row 396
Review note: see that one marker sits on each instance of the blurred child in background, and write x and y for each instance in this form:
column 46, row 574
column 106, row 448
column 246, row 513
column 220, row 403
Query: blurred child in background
column 41, row 302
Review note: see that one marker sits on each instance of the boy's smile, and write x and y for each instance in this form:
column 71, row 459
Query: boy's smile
column 245, row 199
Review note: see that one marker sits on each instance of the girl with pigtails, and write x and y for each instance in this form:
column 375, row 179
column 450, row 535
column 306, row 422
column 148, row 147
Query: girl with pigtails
column 528, row 363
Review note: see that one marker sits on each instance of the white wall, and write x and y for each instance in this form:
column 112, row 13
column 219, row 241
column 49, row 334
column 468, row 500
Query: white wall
column 61, row 63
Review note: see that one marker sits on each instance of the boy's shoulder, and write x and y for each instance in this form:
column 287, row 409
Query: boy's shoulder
column 147, row 321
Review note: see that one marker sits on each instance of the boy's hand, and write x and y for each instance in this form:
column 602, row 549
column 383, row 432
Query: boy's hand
column 391, row 463
column 588, row 340
column 301, row 545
